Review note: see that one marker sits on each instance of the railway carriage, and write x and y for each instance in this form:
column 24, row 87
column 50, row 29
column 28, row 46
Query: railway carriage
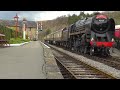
column 117, row 31
column 49, row 38
column 65, row 37
column 57, row 37
column 117, row 36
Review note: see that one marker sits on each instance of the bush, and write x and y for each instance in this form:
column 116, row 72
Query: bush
column 18, row 40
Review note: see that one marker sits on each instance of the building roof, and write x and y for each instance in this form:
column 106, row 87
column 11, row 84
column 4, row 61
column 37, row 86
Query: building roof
column 12, row 23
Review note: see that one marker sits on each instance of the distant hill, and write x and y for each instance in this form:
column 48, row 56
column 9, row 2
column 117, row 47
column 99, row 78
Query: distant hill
column 64, row 21
column 50, row 26
column 55, row 24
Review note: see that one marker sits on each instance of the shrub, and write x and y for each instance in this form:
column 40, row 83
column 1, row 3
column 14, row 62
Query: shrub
column 18, row 40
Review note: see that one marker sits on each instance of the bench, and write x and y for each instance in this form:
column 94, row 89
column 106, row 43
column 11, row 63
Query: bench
column 3, row 41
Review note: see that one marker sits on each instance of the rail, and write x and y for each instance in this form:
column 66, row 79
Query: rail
column 75, row 69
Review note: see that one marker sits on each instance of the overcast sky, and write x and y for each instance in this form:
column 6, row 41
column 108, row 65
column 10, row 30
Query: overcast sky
column 37, row 15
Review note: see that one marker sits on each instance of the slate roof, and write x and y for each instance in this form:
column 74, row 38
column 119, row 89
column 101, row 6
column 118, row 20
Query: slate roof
column 12, row 23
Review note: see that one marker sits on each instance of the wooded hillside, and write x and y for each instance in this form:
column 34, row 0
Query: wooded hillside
column 64, row 21
column 50, row 26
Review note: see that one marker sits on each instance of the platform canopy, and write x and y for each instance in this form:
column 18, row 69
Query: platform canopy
column 2, row 35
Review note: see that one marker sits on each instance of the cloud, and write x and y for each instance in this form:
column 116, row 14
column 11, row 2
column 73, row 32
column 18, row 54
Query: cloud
column 48, row 15
column 7, row 14
column 44, row 15
column 37, row 15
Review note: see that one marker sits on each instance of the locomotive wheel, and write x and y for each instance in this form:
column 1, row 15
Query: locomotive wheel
column 107, row 52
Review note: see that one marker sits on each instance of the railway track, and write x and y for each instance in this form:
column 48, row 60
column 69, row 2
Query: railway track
column 110, row 61
column 75, row 69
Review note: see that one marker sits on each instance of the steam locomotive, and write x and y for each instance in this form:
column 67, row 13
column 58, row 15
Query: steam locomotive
column 93, row 35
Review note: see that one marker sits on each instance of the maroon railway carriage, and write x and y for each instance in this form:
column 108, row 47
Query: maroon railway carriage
column 117, row 31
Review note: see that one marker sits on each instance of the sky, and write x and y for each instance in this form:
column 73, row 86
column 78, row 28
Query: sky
column 37, row 15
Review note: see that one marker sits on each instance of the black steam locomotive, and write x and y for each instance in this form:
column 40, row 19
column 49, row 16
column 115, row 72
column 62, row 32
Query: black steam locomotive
column 94, row 35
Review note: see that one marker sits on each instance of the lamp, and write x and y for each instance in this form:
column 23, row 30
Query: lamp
column 16, row 22
column 24, row 28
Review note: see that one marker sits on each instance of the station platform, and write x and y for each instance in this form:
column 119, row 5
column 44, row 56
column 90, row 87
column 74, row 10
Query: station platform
column 29, row 61
column 52, row 70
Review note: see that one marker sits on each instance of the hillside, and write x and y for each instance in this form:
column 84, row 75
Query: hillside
column 55, row 24
column 61, row 22
column 50, row 26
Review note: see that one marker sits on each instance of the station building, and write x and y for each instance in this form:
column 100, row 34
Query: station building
column 31, row 27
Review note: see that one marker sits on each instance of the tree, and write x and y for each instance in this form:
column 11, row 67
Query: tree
column 82, row 15
column 96, row 13
column 72, row 19
column 48, row 31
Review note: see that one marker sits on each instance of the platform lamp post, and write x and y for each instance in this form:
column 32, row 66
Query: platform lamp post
column 16, row 24
column 37, row 31
column 24, row 28
column 30, row 33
